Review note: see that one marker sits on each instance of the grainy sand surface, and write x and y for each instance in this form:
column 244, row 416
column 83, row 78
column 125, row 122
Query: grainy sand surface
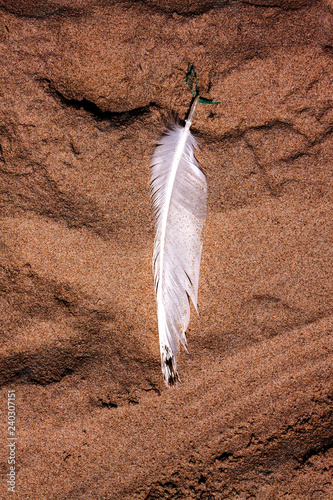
column 86, row 90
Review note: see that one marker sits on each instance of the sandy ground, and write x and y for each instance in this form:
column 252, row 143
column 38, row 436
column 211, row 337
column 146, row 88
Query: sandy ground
column 86, row 90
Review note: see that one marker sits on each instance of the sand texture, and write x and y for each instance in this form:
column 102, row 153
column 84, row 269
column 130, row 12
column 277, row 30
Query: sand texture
column 86, row 90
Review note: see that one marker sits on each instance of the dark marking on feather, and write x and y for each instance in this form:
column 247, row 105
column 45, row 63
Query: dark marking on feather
column 172, row 374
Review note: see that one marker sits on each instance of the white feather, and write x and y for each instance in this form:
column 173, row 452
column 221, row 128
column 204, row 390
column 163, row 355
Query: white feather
column 179, row 193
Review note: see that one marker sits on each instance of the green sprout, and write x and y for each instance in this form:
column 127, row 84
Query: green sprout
column 192, row 81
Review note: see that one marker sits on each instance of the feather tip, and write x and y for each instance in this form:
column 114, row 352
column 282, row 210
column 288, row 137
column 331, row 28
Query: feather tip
column 169, row 368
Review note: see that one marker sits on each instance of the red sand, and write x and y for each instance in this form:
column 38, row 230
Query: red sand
column 86, row 90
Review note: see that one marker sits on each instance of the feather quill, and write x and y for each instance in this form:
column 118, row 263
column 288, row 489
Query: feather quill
column 179, row 195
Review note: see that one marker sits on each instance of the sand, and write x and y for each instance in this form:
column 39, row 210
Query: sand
column 87, row 88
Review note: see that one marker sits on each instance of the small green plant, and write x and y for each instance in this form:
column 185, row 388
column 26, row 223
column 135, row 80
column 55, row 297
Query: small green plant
column 192, row 81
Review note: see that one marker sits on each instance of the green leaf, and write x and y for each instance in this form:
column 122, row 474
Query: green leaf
column 203, row 100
